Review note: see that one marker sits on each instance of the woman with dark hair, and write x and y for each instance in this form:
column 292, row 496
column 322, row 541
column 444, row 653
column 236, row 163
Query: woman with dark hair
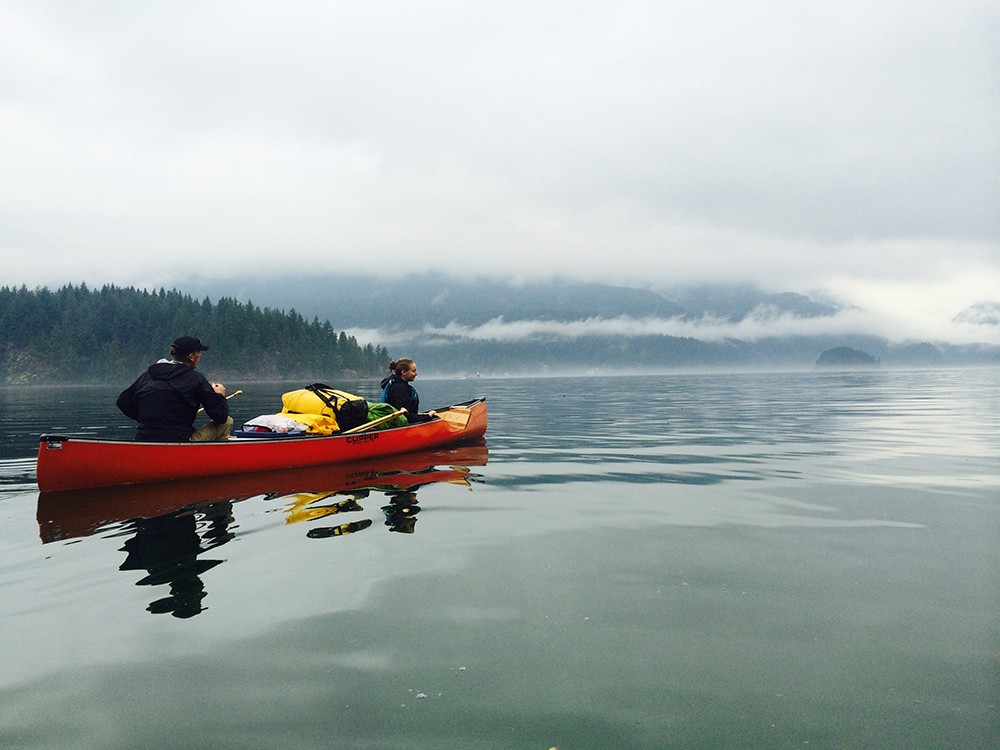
column 398, row 391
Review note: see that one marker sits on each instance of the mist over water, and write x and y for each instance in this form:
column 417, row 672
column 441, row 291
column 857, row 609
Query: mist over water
column 690, row 560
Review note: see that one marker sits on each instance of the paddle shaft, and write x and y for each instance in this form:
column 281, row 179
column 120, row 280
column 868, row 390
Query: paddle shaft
column 374, row 422
column 231, row 395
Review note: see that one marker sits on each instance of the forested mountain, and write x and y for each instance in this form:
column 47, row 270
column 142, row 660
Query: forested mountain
column 82, row 335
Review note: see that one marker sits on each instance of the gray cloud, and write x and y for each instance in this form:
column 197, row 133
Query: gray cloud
column 848, row 148
column 762, row 323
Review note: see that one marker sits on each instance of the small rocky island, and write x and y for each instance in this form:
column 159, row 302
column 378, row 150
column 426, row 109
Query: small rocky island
column 841, row 357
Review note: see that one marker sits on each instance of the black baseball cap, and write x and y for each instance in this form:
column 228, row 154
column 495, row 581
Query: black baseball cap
column 185, row 345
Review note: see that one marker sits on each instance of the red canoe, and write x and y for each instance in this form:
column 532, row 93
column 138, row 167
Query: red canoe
column 75, row 513
column 68, row 463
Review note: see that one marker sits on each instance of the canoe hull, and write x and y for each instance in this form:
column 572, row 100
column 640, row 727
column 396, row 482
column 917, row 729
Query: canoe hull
column 67, row 463
column 76, row 513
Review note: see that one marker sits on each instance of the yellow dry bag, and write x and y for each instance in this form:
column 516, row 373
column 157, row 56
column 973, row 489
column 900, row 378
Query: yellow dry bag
column 335, row 410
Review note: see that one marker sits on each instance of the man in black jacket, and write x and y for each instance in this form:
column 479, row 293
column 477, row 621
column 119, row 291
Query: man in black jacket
column 164, row 400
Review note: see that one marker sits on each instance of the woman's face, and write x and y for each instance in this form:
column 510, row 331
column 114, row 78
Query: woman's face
column 410, row 373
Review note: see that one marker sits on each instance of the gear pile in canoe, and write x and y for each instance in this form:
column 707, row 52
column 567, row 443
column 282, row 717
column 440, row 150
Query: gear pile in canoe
column 67, row 463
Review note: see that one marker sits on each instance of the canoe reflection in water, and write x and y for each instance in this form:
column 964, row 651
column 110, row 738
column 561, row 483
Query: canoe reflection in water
column 174, row 523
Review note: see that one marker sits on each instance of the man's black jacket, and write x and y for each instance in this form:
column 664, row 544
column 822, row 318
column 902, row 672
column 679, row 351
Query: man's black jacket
column 164, row 400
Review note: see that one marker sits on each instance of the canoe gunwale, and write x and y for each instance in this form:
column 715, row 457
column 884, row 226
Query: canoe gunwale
column 56, row 437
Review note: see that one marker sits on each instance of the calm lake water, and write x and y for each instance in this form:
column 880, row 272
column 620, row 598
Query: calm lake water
column 684, row 561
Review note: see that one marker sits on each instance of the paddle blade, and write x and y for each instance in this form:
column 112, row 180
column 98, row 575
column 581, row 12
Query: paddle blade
column 455, row 417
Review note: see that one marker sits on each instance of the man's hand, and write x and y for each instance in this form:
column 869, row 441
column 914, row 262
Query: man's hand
column 219, row 388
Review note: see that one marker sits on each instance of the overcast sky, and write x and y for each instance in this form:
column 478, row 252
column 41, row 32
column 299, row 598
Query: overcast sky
column 849, row 149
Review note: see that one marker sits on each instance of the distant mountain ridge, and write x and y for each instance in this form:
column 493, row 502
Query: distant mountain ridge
column 373, row 302
column 735, row 302
column 431, row 317
column 987, row 313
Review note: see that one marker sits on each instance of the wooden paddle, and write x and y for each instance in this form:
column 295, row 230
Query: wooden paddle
column 374, row 422
column 455, row 416
column 231, row 395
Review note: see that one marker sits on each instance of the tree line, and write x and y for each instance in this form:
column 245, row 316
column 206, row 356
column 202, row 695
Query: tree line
column 77, row 334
